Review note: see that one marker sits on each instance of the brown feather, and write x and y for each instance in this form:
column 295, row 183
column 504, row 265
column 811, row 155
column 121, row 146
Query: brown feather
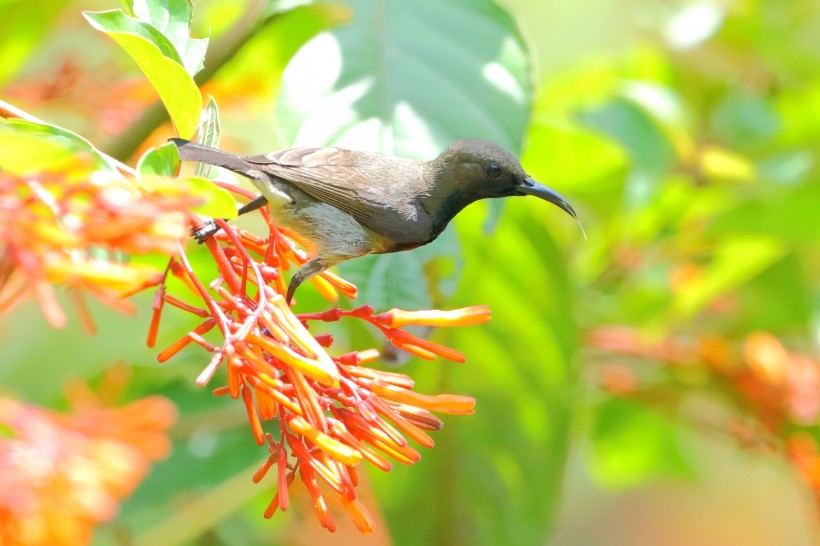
column 357, row 183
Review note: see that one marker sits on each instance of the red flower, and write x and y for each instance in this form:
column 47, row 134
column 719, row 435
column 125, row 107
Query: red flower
column 334, row 412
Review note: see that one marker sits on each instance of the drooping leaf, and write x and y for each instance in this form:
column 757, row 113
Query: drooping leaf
column 116, row 22
column 173, row 19
column 159, row 60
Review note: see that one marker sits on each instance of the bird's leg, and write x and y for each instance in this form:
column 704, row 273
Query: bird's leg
column 210, row 227
column 311, row 268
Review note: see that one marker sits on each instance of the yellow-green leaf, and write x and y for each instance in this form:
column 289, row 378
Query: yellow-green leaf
column 27, row 153
column 214, row 201
column 160, row 63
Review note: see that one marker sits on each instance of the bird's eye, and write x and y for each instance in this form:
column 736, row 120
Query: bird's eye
column 493, row 170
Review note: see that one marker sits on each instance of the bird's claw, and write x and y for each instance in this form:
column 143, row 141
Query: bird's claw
column 204, row 231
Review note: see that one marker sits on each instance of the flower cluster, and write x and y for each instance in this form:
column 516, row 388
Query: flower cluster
column 778, row 388
column 63, row 473
column 69, row 227
column 333, row 412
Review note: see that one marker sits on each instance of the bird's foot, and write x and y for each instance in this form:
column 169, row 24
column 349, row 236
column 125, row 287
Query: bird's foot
column 204, row 231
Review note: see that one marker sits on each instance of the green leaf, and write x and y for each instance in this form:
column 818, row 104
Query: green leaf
column 173, row 19
column 648, row 147
column 631, row 444
column 208, row 134
column 163, row 161
column 644, row 141
column 408, row 78
column 64, row 137
column 25, row 153
column 468, row 77
column 556, row 147
column 217, row 202
column 791, row 216
column 744, row 121
column 159, row 61
column 277, row 43
column 116, row 22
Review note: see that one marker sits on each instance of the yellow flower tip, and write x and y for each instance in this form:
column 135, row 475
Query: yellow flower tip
column 368, row 355
column 347, row 288
column 55, row 235
column 325, row 289
column 454, row 404
column 334, row 448
column 322, row 370
column 467, row 316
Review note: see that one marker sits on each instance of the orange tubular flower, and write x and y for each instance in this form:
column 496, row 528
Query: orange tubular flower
column 54, row 226
column 63, row 473
column 333, row 412
column 397, row 318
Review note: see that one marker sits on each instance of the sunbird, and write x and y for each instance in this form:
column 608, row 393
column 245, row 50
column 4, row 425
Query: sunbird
column 350, row 203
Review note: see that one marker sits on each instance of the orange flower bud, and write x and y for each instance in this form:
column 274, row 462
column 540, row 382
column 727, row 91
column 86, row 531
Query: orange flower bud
column 358, row 514
column 444, row 403
column 467, row 316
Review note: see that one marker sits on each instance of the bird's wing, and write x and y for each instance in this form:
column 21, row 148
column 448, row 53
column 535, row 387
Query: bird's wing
column 334, row 176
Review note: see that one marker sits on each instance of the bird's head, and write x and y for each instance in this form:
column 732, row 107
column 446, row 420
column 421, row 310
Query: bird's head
column 479, row 169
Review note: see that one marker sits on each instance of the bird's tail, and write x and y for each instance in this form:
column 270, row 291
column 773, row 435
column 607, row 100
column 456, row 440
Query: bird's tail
column 191, row 151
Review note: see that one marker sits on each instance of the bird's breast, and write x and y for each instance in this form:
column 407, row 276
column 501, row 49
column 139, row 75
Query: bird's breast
column 329, row 230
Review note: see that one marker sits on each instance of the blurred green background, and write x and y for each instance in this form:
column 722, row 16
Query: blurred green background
column 685, row 133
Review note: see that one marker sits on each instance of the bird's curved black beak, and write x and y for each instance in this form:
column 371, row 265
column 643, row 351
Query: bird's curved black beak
column 531, row 187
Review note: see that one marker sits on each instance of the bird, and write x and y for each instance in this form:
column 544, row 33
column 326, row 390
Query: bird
column 349, row 203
